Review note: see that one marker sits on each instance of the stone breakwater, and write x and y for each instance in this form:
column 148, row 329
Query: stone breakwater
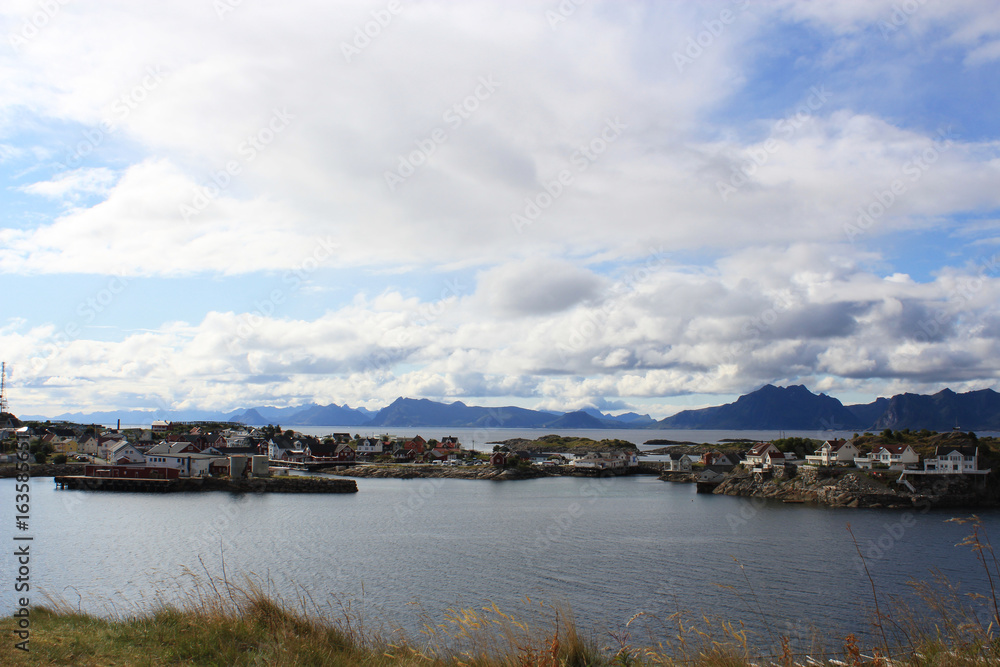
column 45, row 470
column 839, row 487
column 284, row 484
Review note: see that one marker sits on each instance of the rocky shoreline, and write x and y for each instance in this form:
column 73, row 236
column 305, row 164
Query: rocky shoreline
column 44, row 470
column 840, row 487
column 494, row 473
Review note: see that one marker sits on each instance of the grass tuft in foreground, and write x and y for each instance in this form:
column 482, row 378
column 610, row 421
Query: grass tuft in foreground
column 222, row 624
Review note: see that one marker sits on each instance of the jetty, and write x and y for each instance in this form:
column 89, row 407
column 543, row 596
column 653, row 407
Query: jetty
column 282, row 484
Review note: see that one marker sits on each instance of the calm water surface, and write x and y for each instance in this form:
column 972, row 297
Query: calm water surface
column 608, row 548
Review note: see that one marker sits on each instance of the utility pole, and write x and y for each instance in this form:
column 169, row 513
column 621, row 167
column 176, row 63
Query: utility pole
column 3, row 382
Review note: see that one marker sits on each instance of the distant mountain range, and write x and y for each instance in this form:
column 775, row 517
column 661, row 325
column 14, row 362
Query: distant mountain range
column 768, row 408
column 797, row 408
column 401, row 412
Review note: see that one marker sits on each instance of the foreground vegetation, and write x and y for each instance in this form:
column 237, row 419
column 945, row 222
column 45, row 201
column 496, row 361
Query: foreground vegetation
column 254, row 629
column 223, row 624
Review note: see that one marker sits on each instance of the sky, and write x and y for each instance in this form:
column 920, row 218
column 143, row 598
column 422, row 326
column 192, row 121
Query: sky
column 646, row 206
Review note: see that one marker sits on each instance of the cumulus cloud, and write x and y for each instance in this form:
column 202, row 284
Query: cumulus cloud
column 73, row 184
column 638, row 225
column 374, row 350
column 537, row 286
column 592, row 151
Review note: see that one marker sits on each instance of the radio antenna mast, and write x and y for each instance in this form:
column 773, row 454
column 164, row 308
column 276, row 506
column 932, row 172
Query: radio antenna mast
column 3, row 381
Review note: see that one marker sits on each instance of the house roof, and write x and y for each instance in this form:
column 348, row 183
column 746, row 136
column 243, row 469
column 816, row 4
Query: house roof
column 964, row 450
column 835, row 445
column 760, row 448
column 238, row 450
column 894, row 449
column 197, row 457
column 323, row 448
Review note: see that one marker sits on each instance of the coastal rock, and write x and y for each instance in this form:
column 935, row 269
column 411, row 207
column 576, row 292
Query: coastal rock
column 849, row 487
column 409, row 471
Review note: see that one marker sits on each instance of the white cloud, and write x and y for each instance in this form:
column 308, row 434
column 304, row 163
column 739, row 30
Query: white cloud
column 71, row 185
column 545, row 161
column 831, row 322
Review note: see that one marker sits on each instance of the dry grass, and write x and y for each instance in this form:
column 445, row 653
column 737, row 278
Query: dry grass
column 223, row 624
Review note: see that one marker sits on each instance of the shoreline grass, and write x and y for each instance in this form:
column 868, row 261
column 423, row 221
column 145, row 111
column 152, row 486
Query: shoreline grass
column 220, row 623
column 248, row 627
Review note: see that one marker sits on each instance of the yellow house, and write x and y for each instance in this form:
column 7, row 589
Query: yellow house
column 68, row 446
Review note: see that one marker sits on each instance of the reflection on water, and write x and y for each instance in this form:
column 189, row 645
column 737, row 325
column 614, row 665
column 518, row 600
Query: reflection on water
column 608, row 548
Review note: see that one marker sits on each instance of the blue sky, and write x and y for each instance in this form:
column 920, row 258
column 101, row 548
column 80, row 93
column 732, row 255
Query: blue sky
column 650, row 206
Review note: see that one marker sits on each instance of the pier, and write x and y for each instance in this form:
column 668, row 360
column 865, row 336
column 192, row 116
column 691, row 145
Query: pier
column 282, row 484
column 81, row 482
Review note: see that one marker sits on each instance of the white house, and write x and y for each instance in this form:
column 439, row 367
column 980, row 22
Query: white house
column 370, row 446
column 755, row 457
column 677, row 462
column 123, row 453
column 954, row 460
column 285, row 449
column 107, row 442
column 160, row 426
column 610, row 460
column 834, row 452
column 717, row 458
column 896, row 457
column 189, row 465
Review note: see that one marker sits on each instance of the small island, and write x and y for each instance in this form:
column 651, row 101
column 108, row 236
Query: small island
column 894, row 469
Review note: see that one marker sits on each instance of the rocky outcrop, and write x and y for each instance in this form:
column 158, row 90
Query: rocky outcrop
column 685, row 477
column 844, row 487
column 452, row 472
column 407, row 471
